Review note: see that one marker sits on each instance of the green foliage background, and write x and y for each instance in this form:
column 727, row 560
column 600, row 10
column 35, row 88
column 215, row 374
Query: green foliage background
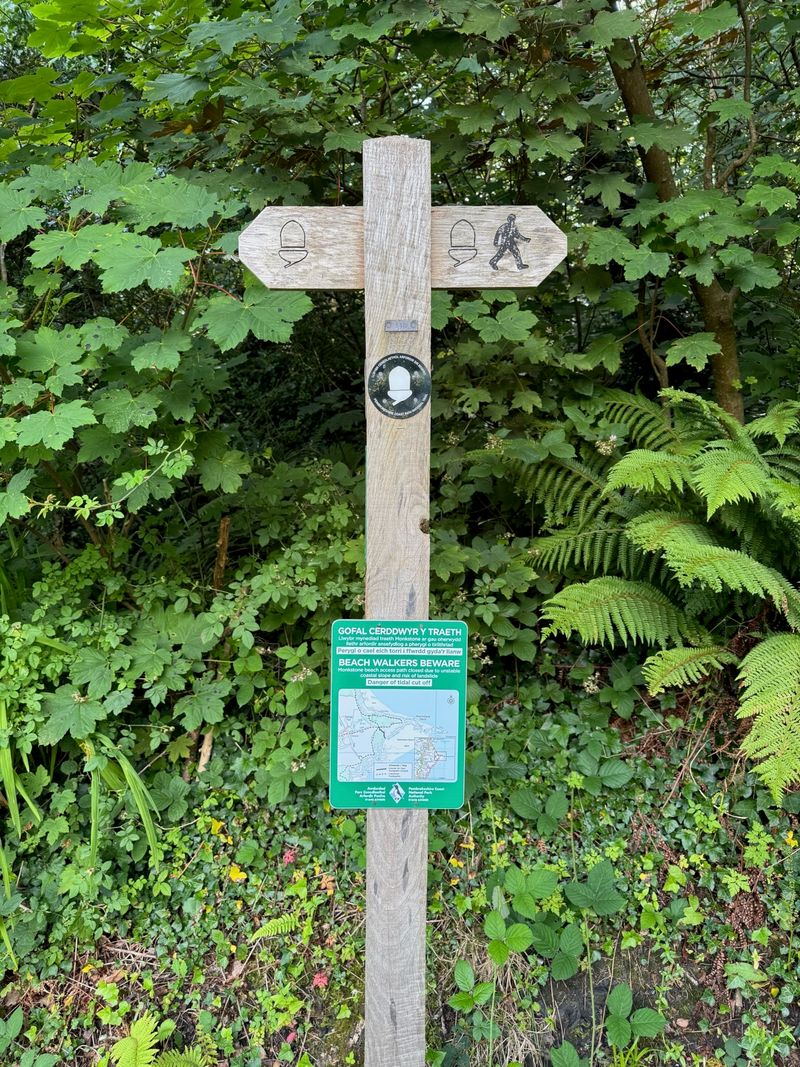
column 181, row 496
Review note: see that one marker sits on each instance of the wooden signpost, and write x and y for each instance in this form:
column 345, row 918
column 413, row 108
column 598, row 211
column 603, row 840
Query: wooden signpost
column 397, row 248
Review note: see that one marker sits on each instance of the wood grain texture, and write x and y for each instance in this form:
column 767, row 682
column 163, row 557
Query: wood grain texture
column 460, row 255
column 397, row 286
column 306, row 247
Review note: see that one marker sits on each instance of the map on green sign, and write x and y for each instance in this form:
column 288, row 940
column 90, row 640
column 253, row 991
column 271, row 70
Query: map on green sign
column 389, row 733
column 398, row 713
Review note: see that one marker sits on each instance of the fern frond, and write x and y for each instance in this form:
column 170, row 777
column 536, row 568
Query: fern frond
column 719, row 568
column 683, row 666
column 564, row 487
column 646, row 423
column 193, row 1057
column 652, row 471
column 281, row 924
column 616, row 611
column 707, row 414
column 724, row 475
column 770, row 675
column 656, row 530
column 781, row 420
column 138, row 1049
column 784, row 463
column 596, row 548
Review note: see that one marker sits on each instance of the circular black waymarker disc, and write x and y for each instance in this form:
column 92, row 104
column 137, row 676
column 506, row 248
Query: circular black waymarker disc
column 399, row 385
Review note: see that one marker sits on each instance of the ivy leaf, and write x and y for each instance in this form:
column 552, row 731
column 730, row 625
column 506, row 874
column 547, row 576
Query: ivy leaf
column 695, row 350
column 14, row 502
column 54, row 428
column 224, row 472
column 269, row 314
column 69, row 712
column 163, row 354
column 16, row 213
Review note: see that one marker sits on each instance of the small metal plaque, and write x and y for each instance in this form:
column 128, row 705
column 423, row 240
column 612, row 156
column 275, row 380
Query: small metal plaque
column 399, row 385
column 401, row 326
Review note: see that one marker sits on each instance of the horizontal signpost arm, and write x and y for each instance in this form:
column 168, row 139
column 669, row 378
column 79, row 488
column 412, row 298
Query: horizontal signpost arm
column 323, row 247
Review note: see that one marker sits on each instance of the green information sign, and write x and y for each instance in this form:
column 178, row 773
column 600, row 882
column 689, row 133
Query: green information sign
column 398, row 713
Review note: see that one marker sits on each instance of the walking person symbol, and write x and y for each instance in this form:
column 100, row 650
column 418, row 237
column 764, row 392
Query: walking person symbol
column 505, row 240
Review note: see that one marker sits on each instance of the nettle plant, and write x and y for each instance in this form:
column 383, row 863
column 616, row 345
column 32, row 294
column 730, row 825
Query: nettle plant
column 689, row 540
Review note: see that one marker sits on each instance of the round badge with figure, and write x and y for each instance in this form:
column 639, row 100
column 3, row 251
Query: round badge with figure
column 399, row 385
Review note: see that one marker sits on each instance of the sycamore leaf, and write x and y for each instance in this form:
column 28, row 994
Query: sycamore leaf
column 133, row 259
column 511, row 323
column 643, row 261
column 120, row 410
column 174, row 88
column 14, row 502
column 54, row 428
column 730, row 107
column 224, row 472
column 269, row 314
column 46, row 348
column 606, row 243
column 174, row 200
column 74, row 248
column 609, row 186
column 69, row 712
column 349, row 140
column 702, row 268
column 17, row 213
column 662, row 135
column 708, row 23
column 163, row 354
column 695, row 350
column 771, row 197
column 608, row 26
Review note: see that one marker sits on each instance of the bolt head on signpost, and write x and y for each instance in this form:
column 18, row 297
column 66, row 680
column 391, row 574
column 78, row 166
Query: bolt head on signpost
column 399, row 699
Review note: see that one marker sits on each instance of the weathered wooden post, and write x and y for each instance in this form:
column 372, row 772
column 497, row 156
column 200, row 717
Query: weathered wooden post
column 397, row 248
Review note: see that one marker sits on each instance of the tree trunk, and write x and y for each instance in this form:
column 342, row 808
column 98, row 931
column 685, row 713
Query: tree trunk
column 716, row 305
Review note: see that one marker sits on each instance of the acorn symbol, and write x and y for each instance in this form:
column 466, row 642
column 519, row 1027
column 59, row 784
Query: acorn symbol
column 462, row 243
column 399, row 385
column 293, row 243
